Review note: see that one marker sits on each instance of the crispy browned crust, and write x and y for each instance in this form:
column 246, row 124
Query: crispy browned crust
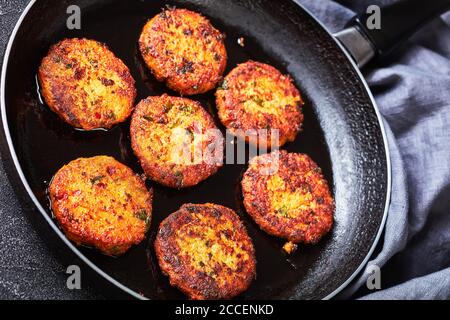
column 183, row 49
column 206, row 252
column 256, row 96
column 86, row 84
column 152, row 127
column 293, row 202
column 101, row 203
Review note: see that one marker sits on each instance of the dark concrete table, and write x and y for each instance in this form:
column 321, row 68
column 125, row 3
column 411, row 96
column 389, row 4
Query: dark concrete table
column 28, row 268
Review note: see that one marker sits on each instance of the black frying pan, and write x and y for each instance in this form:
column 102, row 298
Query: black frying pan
column 342, row 132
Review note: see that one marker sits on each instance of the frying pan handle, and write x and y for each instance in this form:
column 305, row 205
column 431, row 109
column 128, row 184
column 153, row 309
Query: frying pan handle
column 398, row 22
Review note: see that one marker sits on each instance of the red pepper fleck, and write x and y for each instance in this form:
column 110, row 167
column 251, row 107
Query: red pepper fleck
column 111, row 170
column 61, row 196
column 98, row 115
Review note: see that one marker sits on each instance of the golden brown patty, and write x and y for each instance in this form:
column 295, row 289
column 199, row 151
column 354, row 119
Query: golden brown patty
column 101, row 203
column 256, row 96
column 287, row 196
column 206, row 252
column 176, row 141
column 183, row 49
column 86, row 84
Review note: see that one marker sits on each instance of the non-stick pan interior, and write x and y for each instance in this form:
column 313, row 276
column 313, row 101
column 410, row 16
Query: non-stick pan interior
column 341, row 133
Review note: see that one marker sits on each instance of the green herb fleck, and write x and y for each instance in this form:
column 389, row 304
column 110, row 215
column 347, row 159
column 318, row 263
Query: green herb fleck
column 305, row 189
column 148, row 118
column 116, row 251
column 96, row 179
column 111, row 115
column 168, row 107
column 224, row 85
column 258, row 100
column 175, row 124
column 95, row 102
column 146, row 50
column 93, row 63
column 186, row 109
column 283, row 211
column 179, row 177
column 141, row 214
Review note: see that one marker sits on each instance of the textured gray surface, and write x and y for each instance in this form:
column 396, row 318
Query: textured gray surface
column 28, row 269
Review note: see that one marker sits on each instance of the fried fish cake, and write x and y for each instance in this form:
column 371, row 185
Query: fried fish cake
column 176, row 141
column 206, row 252
column 183, row 49
column 86, row 84
column 288, row 197
column 101, row 203
column 254, row 97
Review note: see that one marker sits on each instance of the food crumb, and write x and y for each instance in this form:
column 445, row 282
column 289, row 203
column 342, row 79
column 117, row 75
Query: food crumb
column 290, row 247
column 241, row 42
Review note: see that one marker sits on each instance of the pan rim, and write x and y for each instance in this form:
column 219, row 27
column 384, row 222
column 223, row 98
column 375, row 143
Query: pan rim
column 93, row 266
column 386, row 148
column 22, row 177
